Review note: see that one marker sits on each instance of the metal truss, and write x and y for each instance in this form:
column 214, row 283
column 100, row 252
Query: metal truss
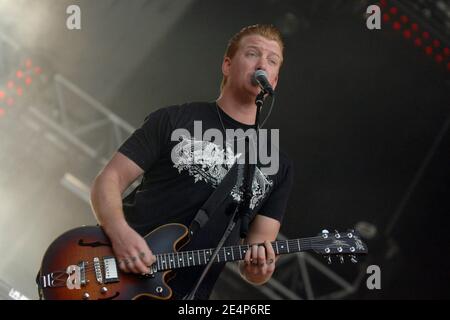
column 89, row 125
column 83, row 121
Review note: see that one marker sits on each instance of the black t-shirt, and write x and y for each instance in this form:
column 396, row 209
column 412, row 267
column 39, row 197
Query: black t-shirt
column 174, row 186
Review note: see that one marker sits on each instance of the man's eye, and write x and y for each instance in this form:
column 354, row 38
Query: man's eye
column 274, row 62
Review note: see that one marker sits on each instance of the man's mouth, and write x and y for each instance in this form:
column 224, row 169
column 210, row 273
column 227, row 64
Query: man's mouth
column 253, row 80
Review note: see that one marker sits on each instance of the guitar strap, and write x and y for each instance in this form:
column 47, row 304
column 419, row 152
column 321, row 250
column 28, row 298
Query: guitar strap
column 233, row 178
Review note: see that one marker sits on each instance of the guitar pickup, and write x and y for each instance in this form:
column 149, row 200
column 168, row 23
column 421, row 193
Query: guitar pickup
column 111, row 272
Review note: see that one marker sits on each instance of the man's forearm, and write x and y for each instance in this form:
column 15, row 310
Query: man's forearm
column 106, row 201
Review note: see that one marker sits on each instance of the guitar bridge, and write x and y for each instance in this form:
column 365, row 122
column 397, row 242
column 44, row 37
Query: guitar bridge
column 98, row 270
column 82, row 266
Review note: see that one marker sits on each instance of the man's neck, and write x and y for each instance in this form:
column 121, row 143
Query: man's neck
column 242, row 110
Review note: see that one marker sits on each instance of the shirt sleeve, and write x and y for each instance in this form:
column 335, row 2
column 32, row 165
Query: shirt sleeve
column 275, row 206
column 145, row 145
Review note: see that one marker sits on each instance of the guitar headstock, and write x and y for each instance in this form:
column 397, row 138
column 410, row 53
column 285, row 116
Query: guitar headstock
column 339, row 244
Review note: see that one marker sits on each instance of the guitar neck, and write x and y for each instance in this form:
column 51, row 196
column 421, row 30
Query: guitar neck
column 175, row 260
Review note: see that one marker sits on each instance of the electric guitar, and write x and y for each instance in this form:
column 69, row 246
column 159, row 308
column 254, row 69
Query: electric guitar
column 80, row 263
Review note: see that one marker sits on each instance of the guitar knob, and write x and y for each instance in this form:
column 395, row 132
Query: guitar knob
column 86, row 296
column 104, row 290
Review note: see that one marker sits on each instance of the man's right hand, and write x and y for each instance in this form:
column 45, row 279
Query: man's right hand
column 130, row 249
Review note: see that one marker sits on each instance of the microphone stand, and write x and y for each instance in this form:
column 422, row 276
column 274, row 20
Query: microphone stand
column 250, row 171
column 230, row 227
column 243, row 206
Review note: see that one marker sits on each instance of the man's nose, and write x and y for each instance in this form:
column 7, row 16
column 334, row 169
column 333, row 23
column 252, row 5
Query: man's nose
column 261, row 65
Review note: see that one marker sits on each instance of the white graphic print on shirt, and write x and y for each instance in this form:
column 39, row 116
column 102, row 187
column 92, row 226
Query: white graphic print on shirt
column 209, row 162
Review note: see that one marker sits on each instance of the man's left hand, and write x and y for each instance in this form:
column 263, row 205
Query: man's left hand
column 259, row 263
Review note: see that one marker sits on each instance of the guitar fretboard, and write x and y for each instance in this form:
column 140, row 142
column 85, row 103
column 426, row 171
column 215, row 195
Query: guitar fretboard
column 175, row 260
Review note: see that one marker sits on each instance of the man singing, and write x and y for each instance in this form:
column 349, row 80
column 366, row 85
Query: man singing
column 179, row 174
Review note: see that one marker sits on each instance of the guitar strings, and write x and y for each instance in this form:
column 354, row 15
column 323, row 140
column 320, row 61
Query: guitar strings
column 236, row 250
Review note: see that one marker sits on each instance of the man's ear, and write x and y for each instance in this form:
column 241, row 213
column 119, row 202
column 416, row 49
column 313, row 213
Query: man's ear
column 226, row 64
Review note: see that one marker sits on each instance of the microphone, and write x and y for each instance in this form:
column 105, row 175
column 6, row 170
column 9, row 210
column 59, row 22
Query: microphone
column 260, row 78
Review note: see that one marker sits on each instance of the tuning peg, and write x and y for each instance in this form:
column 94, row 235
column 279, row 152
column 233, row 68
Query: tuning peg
column 336, row 234
column 341, row 258
column 350, row 233
column 325, row 233
column 328, row 258
column 353, row 259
